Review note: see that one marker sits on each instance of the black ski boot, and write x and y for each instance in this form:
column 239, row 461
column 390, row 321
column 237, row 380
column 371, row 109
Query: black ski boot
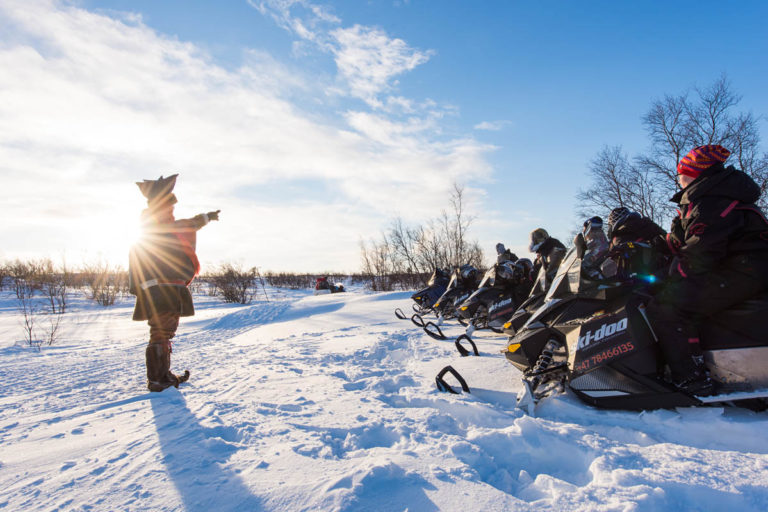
column 692, row 377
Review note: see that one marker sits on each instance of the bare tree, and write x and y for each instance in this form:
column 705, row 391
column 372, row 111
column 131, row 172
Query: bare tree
column 617, row 182
column 406, row 255
column 675, row 125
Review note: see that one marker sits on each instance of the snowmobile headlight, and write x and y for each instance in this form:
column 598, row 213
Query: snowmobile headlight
column 464, row 308
column 513, row 348
column 417, row 298
column 507, row 325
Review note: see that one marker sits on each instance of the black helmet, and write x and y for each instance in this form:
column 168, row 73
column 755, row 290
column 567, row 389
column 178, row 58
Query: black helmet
column 506, row 271
column 618, row 217
column 524, row 267
column 468, row 272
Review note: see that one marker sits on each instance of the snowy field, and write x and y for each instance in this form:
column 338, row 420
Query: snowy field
column 329, row 403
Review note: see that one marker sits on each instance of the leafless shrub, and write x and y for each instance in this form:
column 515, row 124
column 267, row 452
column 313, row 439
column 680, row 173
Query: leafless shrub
column 105, row 281
column 233, row 284
column 31, row 314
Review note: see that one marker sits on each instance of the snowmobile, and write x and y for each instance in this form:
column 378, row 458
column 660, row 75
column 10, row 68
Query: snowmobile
column 323, row 286
column 503, row 287
column 593, row 336
column 425, row 298
column 497, row 296
column 464, row 281
column 524, row 311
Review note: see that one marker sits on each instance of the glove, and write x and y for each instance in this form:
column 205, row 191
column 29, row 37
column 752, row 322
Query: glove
column 213, row 215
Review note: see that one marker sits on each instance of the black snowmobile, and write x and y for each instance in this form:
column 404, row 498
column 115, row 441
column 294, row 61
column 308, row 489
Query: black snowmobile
column 464, row 281
column 532, row 303
column 502, row 288
column 426, row 297
column 593, row 336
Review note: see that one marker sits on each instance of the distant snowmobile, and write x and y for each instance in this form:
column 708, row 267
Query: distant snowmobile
column 593, row 336
column 426, row 297
column 323, row 286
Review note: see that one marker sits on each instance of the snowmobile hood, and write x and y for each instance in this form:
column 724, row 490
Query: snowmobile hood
column 718, row 180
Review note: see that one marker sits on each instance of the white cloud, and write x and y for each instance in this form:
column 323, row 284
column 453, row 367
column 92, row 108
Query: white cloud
column 369, row 60
column 96, row 102
column 493, row 126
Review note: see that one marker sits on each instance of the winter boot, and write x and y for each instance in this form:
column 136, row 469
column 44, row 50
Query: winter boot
column 692, row 377
column 159, row 376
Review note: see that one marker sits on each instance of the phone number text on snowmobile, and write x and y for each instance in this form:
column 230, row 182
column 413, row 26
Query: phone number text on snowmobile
column 605, row 355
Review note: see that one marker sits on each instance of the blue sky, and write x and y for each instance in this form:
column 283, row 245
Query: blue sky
column 311, row 124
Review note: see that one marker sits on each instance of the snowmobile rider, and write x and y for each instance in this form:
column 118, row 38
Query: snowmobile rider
column 549, row 252
column 624, row 226
column 720, row 242
column 503, row 254
column 162, row 264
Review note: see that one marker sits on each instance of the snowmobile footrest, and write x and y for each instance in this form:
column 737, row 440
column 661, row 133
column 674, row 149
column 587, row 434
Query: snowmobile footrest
column 437, row 335
column 463, row 351
column 399, row 314
column 416, row 319
column 444, row 387
column 733, row 397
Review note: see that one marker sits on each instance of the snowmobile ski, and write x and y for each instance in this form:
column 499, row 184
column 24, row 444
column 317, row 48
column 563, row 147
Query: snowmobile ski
column 437, row 335
column 399, row 314
column 444, row 386
column 416, row 319
column 463, row 351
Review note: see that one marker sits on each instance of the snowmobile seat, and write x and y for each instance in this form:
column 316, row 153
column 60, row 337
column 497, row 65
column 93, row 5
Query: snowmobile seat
column 744, row 325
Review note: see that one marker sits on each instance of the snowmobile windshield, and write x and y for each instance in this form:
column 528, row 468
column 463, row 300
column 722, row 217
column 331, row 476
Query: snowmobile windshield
column 454, row 282
column 488, row 279
column 563, row 273
column 432, row 279
column 540, row 285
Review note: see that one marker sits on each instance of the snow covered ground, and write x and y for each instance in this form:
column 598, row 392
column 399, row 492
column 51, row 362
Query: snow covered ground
column 329, row 403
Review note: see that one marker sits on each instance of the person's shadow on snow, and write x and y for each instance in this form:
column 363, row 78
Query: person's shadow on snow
column 194, row 455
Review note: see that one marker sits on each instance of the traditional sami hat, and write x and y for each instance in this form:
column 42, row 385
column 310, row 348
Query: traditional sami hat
column 701, row 158
column 159, row 191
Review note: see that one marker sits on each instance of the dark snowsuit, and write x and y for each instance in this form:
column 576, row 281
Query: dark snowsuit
column 549, row 255
column 161, row 266
column 639, row 229
column 720, row 242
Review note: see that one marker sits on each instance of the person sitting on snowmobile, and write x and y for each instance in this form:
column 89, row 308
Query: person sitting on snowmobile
column 503, row 254
column 720, row 241
column 161, row 266
column 549, row 252
column 597, row 247
column 624, row 226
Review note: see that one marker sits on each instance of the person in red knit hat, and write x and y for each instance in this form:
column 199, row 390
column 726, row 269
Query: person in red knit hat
column 720, row 246
column 160, row 267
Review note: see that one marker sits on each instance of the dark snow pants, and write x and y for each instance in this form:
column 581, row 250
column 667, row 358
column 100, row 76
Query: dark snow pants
column 678, row 310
